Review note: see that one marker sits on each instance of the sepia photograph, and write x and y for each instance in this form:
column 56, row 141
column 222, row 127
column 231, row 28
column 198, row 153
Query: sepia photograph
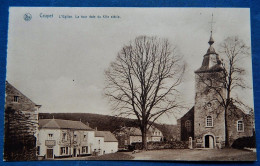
column 113, row 83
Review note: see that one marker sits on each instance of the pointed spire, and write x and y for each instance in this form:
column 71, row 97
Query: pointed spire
column 211, row 50
column 211, row 41
column 211, row 60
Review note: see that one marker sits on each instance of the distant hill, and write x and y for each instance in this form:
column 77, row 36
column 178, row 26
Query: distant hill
column 108, row 123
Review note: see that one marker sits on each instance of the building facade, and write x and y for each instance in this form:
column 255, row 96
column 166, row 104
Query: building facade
column 205, row 122
column 59, row 138
column 106, row 142
column 64, row 138
column 21, row 123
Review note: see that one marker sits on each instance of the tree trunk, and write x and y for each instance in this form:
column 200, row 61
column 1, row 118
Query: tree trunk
column 226, row 130
column 144, row 140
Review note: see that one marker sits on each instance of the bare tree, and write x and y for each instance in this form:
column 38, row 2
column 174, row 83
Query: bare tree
column 143, row 81
column 229, row 78
column 233, row 51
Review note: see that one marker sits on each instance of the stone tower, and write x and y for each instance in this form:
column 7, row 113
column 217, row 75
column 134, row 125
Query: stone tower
column 209, row 125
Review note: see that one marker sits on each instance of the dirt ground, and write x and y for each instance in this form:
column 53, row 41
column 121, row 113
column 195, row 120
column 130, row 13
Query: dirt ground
column 178, row 155
column 196, row 155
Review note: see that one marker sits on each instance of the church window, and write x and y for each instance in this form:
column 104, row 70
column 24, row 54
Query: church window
column 209, row 104
column 188, row 125
column 240, row 126
column 209, row 121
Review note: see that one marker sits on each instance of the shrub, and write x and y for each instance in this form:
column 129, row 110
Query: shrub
column 243, row 142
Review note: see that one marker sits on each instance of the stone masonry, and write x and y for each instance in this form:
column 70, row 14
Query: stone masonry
column 21, row 123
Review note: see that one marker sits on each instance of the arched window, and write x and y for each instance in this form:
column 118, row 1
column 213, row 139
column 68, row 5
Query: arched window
column 240, row 126
column 209, row 121
column 188, row 125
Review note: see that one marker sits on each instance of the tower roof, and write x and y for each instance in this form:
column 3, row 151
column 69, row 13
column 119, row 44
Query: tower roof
column 211, row 62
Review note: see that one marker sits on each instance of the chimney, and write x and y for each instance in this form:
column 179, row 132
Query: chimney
column 87, row 123
column 96, row 128
column 80, row 119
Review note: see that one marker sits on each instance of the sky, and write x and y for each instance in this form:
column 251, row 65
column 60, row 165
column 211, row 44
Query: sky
column 59, row 62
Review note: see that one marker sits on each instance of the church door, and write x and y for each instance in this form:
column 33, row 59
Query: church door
column 209, row 141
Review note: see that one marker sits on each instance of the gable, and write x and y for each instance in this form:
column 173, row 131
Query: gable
column 23, row 103
column 189, row 114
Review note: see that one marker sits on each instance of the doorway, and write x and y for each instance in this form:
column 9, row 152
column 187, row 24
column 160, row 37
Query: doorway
column 74, row 152
column 209, row 141
column 49, row 153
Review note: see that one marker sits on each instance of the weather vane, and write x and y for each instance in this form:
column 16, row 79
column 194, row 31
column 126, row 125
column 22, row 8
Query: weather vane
column 212, row 22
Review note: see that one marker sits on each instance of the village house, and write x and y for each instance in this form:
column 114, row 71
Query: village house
column 21, row 123
column 128, row 135
column 205, row 122
column 59, row 138
column 64, row 138
column 105, row 142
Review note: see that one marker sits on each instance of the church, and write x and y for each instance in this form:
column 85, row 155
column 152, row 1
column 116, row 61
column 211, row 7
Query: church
column 205, row 121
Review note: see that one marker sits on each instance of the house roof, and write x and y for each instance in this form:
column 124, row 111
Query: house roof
column 99, row 134
column 108, row 136
column 62, row 124
column 133, row 131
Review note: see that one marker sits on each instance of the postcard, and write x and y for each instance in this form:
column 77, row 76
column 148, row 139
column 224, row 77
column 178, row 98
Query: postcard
column 111, row 83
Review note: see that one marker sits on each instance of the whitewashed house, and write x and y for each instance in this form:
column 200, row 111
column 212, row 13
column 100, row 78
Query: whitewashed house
column 64, row 138
column 99, row 143
column 105, row 142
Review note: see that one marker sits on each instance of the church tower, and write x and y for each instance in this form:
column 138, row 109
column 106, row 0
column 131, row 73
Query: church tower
column 209, row 124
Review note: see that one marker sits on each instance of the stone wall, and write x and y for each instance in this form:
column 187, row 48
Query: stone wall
column 206, row 104
column 235, row 115
column 185, row 131
column 21, row 123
